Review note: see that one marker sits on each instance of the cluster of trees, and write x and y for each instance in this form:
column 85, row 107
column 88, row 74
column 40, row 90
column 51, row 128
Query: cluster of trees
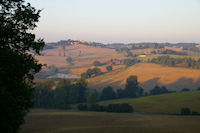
column 147, row 45
column 50, row 94
column 130, row 62
column 167, row 51
column 109, row 68
column 69, row 60
column 91, row 73
column 127, row 51
column 177, row 62
column 98, row 63
column 187, row 111
column 60, row 95
column 159, row 90
column 131, row 90
column 117, row 108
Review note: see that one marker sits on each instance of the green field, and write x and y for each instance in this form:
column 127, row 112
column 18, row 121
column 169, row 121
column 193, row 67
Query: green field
column 60, row 121
column 166, row 103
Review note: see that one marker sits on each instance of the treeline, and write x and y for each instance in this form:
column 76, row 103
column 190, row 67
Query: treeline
column 131, row 90
column 117, row 108
column 60, row 95
column 64, row 93
column 177, row 62
column 167, row 51
column 92, row 73
column 130, row 62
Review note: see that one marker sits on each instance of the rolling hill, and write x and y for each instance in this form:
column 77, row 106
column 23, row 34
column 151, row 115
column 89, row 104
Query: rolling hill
column 166, row 103
column 83, row 56
column 149, row 75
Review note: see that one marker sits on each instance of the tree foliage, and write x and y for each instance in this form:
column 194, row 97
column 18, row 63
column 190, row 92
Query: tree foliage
column 92, row 73
column 159, row 90
column 62, row 96
column 98, row 63
column 109, row 68
column 177, row 62
column 69, row 60
column 108, row 93
column 17, row 66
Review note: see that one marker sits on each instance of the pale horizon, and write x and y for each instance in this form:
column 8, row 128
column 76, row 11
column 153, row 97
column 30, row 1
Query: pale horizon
column 116, row 21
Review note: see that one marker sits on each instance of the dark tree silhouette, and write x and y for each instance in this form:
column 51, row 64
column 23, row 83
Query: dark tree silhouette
column 159, row 90
column 109, row 68
column 69, row 60
column 108, row 93
column 17, row 65
column 132, row 86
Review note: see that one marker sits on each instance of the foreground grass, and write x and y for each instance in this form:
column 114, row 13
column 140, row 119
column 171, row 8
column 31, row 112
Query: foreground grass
column 59, row 121
column 166, row 103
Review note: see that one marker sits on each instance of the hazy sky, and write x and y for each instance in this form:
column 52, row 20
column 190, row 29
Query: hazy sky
column 119, row 20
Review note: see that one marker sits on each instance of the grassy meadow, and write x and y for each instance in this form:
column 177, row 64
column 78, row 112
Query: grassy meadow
column 60, row 121
column 164, row 104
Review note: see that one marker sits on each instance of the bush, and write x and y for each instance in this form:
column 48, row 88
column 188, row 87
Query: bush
column 109, row 68
column 185, row 89
column 92, row 107
column 159, row 90
column 120, row 108
column 195, row 113
column 185, row 111
column 97, row 107
column 97, row 63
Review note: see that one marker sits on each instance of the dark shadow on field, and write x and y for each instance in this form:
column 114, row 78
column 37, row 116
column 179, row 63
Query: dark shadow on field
column 185, row 83
column 175, row 86
column 148, row 85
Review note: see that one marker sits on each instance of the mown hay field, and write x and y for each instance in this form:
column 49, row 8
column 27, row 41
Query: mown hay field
column 83, row 56
column 60, row 121
column 79, row 71
column 150, row 75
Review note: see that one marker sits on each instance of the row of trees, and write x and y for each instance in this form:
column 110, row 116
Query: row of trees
column 130, row 62
column 167, row 51
column 91, row 73
column 117, row 108
column 50, row 94
column 66, row 92
column 131, row 90
column 95, row 72
column 178, row 62
column 60, row 95
column 98, row 63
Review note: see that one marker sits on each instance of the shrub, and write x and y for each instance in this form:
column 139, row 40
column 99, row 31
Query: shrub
column 185, row 89
column 195, row 113
column 159, row 90
column 97, row 107
column 109, row 68
column 120, row 108
column 185, row 111
column 97, row 63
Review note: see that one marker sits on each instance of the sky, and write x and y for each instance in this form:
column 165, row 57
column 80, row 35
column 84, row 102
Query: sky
column 123, row 21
